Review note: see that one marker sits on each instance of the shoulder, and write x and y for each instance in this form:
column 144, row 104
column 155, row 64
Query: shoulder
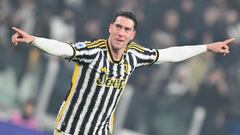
column 133, row 46
column 93, row 44
column 96, row 43
column 138, row 50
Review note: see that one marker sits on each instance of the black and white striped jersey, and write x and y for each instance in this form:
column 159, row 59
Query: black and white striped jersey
column 97, row 84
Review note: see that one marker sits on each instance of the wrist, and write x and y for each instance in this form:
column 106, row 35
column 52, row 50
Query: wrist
column 208, row 46
column 32, row 41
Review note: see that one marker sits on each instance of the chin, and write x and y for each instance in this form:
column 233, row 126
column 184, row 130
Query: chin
column 118, row 46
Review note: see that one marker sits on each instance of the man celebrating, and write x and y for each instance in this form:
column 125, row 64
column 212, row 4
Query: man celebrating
column 102, row 69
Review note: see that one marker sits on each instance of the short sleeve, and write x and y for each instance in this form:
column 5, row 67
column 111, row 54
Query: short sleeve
column 85, row 52
column 144, row 56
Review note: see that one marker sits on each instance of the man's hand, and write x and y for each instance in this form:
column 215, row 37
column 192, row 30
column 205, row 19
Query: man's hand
column 21, row 37
column 220, row 47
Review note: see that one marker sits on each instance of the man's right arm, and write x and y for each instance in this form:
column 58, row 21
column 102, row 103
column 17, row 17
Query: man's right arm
column 54, row 47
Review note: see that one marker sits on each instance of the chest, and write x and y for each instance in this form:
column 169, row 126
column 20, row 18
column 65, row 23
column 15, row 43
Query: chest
column 105, row 67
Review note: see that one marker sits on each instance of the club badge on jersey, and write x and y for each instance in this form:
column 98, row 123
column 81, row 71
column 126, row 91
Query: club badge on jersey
column 80, row 45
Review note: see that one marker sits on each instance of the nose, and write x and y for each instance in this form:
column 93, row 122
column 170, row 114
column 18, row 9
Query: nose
column 121, row 32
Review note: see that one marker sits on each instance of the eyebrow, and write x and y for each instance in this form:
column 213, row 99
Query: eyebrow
column 126, row 28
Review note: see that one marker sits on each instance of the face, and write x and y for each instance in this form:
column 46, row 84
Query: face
column 121, row 32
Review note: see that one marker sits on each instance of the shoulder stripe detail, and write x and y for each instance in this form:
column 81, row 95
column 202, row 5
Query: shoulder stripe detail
column 136, row 46
column 103, row 46
column 95, row 43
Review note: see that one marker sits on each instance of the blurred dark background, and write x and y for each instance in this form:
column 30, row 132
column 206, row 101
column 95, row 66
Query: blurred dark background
column 199, row 96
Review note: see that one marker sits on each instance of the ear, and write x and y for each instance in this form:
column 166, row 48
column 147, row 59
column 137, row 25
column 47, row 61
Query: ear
column 110, row 28
column 133, row 35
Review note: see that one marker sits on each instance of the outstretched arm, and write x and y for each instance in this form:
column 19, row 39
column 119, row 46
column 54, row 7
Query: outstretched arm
column 176, row 54
column 49, row 46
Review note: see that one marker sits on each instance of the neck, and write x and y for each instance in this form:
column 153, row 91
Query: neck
column 115, row 53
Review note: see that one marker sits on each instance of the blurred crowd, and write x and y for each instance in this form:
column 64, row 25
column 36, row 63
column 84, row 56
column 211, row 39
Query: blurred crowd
column 167, row 97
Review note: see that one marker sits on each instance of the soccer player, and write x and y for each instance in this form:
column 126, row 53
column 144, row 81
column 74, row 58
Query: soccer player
column 102, row 69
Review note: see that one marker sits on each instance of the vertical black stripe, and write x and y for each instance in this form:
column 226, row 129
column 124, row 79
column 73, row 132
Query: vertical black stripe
column 105, row 115
column 103, row 100
column 108, row 129
column 131, row 61
column 116, row 101
column 128, row 64
column 110, row 102
column 92, row 104
column 74, row 98
column 99, row 110
column 108, row 105
column 85, row 95
column 157, row 56
column 106, row 119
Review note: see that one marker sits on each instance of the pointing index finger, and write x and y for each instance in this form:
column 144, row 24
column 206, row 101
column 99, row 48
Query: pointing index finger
column 17, row 30
column 229, row 41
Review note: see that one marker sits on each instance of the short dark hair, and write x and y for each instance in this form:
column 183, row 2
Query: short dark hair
column 128, row 14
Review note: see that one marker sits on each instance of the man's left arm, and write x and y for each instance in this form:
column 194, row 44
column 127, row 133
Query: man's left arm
column 176, row 54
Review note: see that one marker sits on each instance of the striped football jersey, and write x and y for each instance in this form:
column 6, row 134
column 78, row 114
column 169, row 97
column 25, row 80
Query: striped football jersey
column 97, row 84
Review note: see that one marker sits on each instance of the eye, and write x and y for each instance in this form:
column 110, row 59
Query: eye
column 118, row 26
column 128, row 29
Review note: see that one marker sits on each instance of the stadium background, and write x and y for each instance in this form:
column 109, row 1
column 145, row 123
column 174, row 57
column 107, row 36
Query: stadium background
column 199, row 96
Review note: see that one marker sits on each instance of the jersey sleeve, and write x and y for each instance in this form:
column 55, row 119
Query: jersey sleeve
column 143, row 56
column 85, row 52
